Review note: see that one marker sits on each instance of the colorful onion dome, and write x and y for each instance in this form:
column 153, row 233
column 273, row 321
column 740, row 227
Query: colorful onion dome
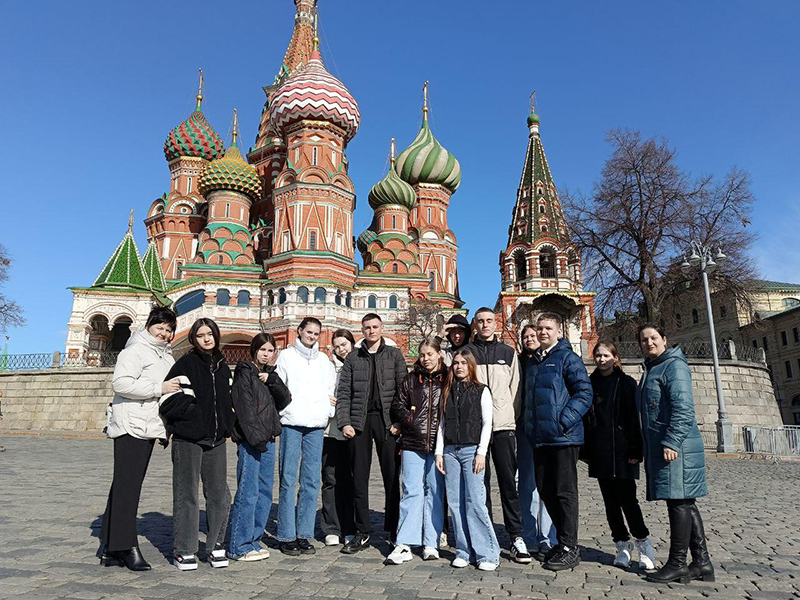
column 365, row 239
column 533, row 118
column 313, row 93
column 231, row 172
column 392, row 190
column 194, row 137
column 426, row 160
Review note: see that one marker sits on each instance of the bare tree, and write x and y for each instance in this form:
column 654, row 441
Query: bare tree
column 512, row 325
column 422, row 320
column 644, row 211
column 10, row 311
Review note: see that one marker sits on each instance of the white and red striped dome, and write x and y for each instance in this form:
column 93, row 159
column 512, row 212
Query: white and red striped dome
column 313, row 93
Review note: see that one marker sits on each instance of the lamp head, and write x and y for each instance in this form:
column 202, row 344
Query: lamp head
column 711, row 266
column 685, row 266
column 720, row 256
column 694, row 258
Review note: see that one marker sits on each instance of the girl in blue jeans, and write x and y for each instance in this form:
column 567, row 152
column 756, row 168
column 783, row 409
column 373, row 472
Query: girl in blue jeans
column 465, row 427
column 415, row 412
column 258, row 394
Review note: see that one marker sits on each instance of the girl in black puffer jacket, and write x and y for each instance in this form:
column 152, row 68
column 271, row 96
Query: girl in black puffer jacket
column 258, row 395
column 614, row 450
column 416, row 410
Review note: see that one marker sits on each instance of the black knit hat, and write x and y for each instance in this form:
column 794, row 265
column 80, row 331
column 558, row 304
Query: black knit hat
column 459, row 320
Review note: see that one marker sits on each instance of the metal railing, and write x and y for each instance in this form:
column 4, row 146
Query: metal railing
column 710, row 439
column 725, row 350
column 774, row 441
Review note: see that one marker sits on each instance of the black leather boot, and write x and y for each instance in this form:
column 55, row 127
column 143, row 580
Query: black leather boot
column 700, row 567
column 680, row 530
column 132, row 559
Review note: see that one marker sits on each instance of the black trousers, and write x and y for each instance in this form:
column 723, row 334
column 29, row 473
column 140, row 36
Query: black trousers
column 503, row 451
column 131, row 457
column 556, row 469
column 361, row 462
column 619, row 496
column 336, row 517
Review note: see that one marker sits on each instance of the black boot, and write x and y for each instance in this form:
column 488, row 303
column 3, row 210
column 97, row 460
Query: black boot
column 680, row 530
column 700, row 567
column 132, row 559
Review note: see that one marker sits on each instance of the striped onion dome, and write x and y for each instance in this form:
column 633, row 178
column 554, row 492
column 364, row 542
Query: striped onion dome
column 392, row 190
column 313, row 93
column 427, row 161
column 195, row 138
column 365, row 239
column 230, row 173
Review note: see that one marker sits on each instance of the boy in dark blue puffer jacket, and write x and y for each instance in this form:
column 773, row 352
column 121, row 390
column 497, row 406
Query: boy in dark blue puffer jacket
column 558, row 394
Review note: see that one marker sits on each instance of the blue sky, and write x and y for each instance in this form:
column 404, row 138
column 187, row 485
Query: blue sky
column 91, row 89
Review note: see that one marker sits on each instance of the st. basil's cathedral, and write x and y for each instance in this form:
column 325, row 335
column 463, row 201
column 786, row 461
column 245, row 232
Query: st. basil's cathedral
column 259, row 241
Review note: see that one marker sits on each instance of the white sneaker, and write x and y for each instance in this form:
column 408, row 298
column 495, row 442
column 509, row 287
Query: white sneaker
column 487, row 566
column 430, row 553
column 399, row 555
column 459, row 563
column 185, row 563
column 217, row 557
column 647, row 556
column 264, row 552
column 443, row 540
column 519, row 551
column 623, row 558
column 251, row 556
column 332, row 540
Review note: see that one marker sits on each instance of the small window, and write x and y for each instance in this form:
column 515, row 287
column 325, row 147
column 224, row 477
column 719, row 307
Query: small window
column 270, row 298
column 312, row 240
column 784, row 339
column 243, row 298
column 695, row 316
column 543, row 228
column 281, row 296
column 392, row 301
column 223, row 297
column 764, row 343
column 429, row 215
column 796, row 334
column 227, row 209
column 302, row 294
column 788, row 366
column 348, row 300
column 432, row 281
column 338, row 299
column 319, row 295
column 189, row 185
column 372, row 301
column 541, row 209
column 394, row 267
column 394, row 221
column 314, row 155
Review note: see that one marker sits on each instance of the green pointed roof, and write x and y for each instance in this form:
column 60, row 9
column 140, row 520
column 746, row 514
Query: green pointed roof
column 124, row 268
column 152, row 269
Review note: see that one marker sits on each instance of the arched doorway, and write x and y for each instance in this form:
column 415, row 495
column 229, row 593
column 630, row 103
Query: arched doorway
column 120, row 333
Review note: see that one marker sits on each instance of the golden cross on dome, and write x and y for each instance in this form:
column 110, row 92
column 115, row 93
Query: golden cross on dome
column 235, row 126
column 391, row 152
column 425, row 100
column 316, row 29
column 130, row 222
column 533, row 101
column 200, row 91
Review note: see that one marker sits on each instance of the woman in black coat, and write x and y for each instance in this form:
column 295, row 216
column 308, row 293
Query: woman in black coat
column 614, row 450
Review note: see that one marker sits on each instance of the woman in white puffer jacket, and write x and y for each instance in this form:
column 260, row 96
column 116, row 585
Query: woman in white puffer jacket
column 134, row 424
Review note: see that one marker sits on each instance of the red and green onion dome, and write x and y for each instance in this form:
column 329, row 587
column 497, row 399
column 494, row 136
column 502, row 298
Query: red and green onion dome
column 231, row 173
column 195, row 138
column 533, row 119
column 392, row 190
column 427, row 161
column 365, row 239
column 314, row 94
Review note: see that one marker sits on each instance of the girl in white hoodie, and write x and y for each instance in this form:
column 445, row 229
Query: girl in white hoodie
column 134, row 424
column 311, row 378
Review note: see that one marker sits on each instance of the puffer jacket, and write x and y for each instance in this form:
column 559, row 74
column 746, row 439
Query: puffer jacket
column 332, row 429
column 559, row 394
column 612, row 434
column 201, row 411
column 354, row 384
column 311, row 378
column 666, row 410
column 256, row 405
column 141, row 369
column 498, row 369
column 416, row 409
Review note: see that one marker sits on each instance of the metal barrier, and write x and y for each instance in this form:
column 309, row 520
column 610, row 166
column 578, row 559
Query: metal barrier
column 725, row 351
column 710, row 438
column 774, row 441
column 26, row 362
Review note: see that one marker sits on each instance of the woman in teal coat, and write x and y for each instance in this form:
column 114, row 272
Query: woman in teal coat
column 673, row 454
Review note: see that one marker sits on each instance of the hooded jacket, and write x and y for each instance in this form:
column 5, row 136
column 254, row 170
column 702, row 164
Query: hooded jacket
column 559, row 394
column 416, row 409
column 498, row 369
column 201, row 411
column 256, row 405
column 666, row 410
column 311, row 378
column 138, row 375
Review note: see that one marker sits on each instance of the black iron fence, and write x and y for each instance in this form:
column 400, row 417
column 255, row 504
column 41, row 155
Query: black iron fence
column 725, row 351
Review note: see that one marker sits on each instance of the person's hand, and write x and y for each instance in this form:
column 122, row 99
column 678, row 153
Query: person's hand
column 669, row 454
column 394, row 429
column 440, row 463
column 170, row 385
column 479, row 464
column 333, row 400
column 348, row 432
column 263, row 377
column 633, row 461
column 163, row 442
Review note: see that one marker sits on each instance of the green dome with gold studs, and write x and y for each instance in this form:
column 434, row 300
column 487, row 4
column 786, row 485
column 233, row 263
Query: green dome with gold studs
column 231, row 173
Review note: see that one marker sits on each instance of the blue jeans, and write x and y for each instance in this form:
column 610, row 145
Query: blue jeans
column 537, row 527
column 255, row 472
column 466, row 496
column 300, row 449
column 422, row 504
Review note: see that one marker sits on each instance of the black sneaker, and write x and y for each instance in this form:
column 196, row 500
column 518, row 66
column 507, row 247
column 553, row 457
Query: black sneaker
column 567, row 557
column 289, row 548
column 519, row 551
column 305, row 546
column 357, row 544
column 545, row 553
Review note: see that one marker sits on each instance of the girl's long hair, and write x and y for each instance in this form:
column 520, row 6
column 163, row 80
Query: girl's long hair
column 611, row 347
column 472, row 374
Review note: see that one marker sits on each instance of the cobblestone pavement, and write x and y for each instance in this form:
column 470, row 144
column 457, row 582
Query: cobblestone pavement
column 53, row 490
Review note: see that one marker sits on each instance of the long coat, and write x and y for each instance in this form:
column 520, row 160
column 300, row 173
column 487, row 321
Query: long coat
column 666, row 410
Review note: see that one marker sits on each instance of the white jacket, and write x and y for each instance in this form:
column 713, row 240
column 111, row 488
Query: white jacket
column 311, row 378
column 141, row 369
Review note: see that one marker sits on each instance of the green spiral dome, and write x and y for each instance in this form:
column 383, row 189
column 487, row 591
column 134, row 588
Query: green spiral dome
column 232, row 173
column 392, row 190
column 427, row 161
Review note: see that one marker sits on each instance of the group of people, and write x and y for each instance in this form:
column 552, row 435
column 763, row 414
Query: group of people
column 468, row 401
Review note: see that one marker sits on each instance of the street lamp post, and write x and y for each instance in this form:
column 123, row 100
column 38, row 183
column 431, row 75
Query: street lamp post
column 702, row 258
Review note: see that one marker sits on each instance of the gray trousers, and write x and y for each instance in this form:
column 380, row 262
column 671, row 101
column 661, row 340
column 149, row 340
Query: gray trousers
column 192, row 463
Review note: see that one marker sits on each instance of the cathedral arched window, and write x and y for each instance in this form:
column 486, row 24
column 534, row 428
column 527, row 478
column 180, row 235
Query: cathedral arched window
column 243, row 298
column 270, row 298
column 372, row 301
column 314, row 155
column 281, row 296
column 521, row 266
column 392, row 301
column 338, row 298
column 543, row 228
column 190, row 301
column 312, row 240
column 394, row 267
column 432, row 281
column 319, row 295
column 302, row 294
column 223, row 297
column 541, row 208
column 547, row 263
column 348, row 300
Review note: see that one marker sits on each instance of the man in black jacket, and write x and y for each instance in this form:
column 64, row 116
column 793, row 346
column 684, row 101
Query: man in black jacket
column 367, row 384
